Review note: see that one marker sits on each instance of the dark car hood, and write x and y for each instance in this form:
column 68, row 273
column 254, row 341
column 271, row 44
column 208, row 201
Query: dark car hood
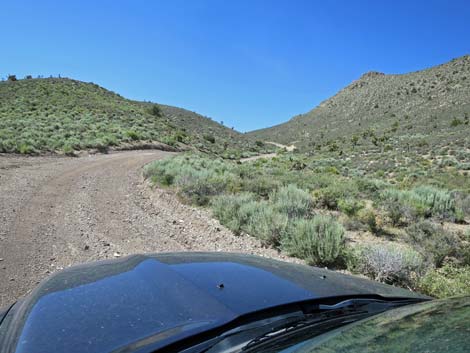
column 142, row 301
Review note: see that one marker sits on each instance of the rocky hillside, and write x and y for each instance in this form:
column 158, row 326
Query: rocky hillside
column 64, row 115
column 422, row 110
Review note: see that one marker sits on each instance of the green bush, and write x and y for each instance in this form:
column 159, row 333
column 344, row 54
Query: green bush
column 320, row 241
column 25, row 148
column 371, row 187
column 440, row 202
column 260, row 185
column 424, row 201
column 447, row 281
column 226, row 208
column 369, row 218
column 350, row 206
column 266, row 224
column 209, row 138
column 387, row 263
column 329, row 196
column 68, row 150
column 133, row 135
column 200, row 190
column 156, row 110
column 397, row 212
column 292, row 201
column 456, row 122
column 433, row 242
column 197, row 178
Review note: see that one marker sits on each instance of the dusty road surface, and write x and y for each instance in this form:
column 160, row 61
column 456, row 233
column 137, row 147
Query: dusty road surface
column 57, row 211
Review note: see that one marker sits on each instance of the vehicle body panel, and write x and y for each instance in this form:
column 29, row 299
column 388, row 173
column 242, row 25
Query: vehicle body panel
column 158, row 299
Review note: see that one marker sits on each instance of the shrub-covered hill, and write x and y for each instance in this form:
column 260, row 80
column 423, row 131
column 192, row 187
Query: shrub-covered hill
column 424, row 111
column 63, row 115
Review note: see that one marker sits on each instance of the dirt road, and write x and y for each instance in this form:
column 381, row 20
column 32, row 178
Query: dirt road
column 56, row 212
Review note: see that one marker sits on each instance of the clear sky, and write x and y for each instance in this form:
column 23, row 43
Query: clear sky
column 250, row 63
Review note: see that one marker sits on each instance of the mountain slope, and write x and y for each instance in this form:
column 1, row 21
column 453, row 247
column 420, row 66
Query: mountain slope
column 59, row 114
column 416, row 110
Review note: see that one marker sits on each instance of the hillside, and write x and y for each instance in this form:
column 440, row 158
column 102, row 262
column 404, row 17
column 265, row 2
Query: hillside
column 64, row 115
column 420, row 111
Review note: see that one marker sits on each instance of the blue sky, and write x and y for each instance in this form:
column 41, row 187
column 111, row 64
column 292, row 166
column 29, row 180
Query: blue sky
column 251, row 64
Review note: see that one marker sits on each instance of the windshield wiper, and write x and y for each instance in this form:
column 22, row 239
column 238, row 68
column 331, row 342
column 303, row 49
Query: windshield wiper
column 312, row 320
column 327, row 317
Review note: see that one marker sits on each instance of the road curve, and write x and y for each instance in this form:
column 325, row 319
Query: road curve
column 61, row 211
column 56, row 212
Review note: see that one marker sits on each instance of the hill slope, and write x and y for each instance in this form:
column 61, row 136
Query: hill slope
column 415, row 110
column 58, row 114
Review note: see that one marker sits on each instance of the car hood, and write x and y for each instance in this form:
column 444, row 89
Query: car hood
column 142, row 302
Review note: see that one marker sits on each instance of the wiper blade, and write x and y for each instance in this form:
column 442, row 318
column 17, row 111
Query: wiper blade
column 328, row 317
column 310, row 328
column 293, row 317
column 371, row 305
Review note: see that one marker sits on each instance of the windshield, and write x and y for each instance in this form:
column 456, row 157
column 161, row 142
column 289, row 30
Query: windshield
column 435, row 326
column 274, row 333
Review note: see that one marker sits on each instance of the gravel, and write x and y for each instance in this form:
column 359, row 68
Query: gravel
column 59, row 211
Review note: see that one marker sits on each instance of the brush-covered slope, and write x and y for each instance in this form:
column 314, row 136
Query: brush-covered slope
column 423, row 109
column 63, row 115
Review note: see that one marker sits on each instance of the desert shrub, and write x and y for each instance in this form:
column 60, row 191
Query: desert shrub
column 387, row 263
column 424, row 201
column 226, row 208
column 200, row 190
column 209, row 138
column 180, row 136
column 353, row 224
column 262, row 185
column 462, row 201
column 369, row 218
column 169, row 140
column 197, row 178
column 102, row 147
column 397, row 212
column 350, row 206
column 456, row 122
column 371, row 186
column 267, row 224
column 463, row 166
column 68, row 150
column 292, row 201
column 132, row 134
column 433, row 242
column 447, row 281
column 25, row 148
column 440, row 202
column 320, row 241
column 156, row 110
column 329, row 196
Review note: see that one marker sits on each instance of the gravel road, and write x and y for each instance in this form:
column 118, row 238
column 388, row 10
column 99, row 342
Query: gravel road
column 60, row 211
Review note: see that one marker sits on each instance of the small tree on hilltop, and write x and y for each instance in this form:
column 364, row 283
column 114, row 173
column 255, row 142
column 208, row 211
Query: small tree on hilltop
column 156, row 110
column 12, row 78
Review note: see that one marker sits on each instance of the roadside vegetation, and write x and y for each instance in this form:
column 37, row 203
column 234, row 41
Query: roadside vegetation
column 411, row 232
column 59, row 115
